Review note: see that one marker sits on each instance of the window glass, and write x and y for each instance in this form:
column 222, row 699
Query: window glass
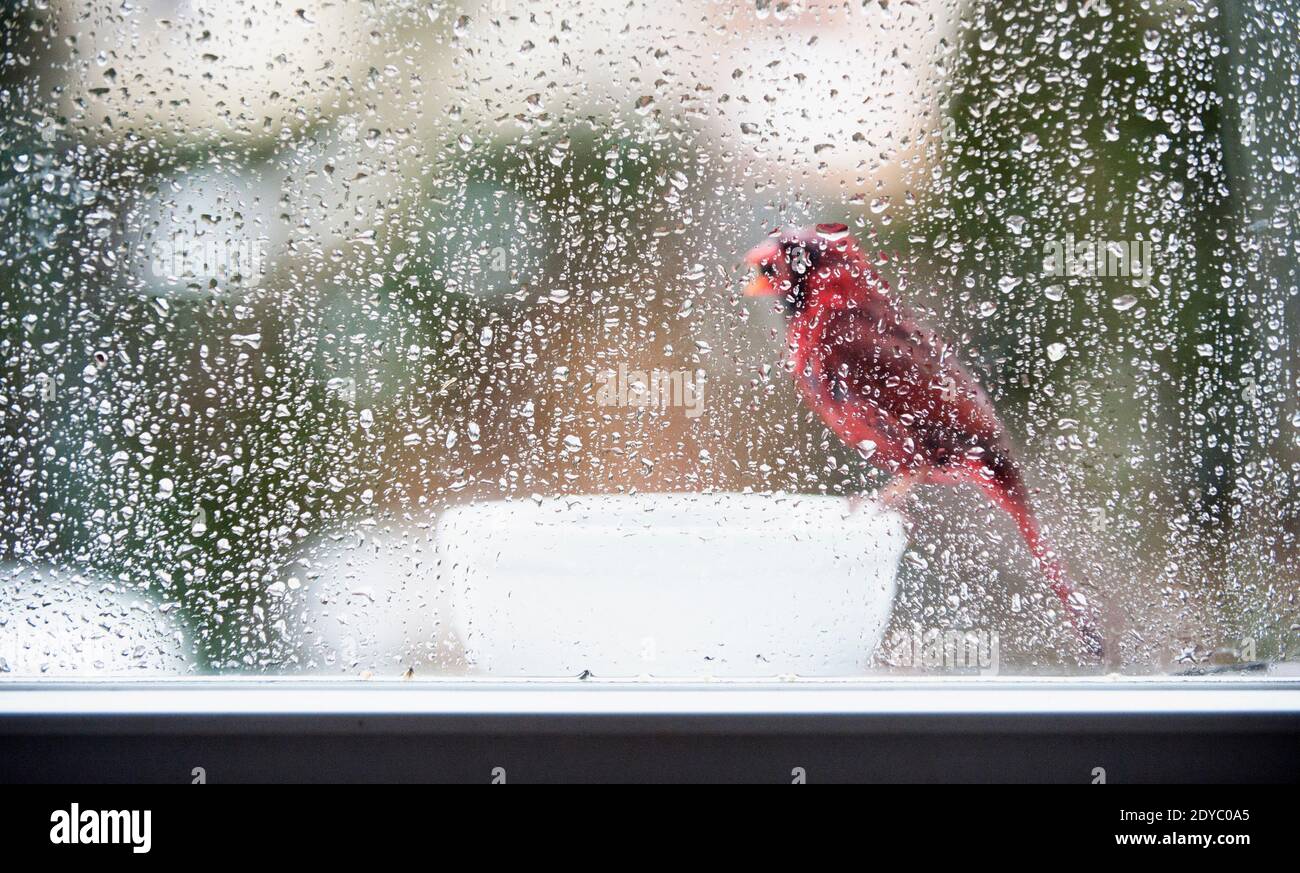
column 411, row 338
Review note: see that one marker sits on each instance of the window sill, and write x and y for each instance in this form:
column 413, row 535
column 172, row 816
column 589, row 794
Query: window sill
column 1127, row 730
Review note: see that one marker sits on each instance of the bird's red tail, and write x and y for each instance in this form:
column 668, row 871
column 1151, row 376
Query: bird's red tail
column 1010, row 496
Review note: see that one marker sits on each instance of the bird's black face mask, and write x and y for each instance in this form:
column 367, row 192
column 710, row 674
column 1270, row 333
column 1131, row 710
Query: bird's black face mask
column 801, row 260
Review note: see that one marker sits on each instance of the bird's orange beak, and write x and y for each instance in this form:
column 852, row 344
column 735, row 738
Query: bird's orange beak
column 760, row 285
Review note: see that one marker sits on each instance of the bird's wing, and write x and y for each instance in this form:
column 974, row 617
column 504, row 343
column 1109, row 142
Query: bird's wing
column 903, row 378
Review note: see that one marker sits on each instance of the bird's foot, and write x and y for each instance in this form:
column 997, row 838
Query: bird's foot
column 1093, row 642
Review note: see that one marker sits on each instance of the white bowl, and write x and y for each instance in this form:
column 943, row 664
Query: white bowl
column 670, row 585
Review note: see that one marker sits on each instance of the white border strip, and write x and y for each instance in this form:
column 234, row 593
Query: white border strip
column 573, row 698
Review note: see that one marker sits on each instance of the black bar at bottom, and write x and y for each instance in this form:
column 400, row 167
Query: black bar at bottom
column 1081, row 749
column 908, row 824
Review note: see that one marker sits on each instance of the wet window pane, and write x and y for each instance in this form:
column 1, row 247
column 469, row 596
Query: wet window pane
column 429, row 339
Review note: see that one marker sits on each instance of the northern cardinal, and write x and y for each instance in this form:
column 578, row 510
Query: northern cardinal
column 892, row 388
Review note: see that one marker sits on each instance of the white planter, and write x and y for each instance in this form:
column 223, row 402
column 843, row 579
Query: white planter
column 670, row 585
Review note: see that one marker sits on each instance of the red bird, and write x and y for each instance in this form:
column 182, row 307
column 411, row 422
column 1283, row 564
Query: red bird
column 893, row 388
